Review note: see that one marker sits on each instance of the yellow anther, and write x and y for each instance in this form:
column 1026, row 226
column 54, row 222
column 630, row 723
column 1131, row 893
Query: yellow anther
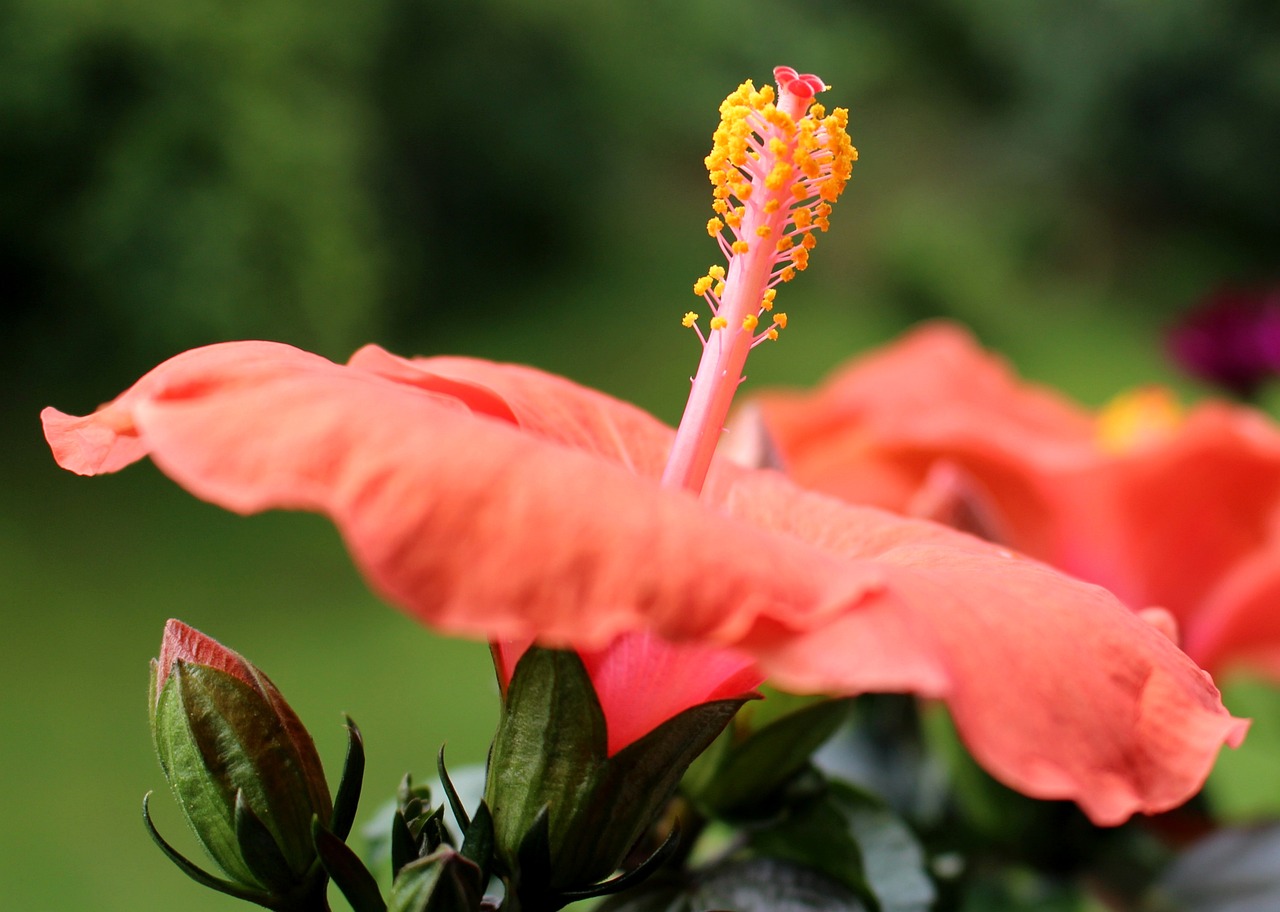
column 1138, row 418
column 718, row 291
column 817, row 111
column 772, row 206
column 720, row 206
column 787, row 274
column 763, row 231
column 689, row 319
column 808, row 241
column 719, row 322
column 740, row 247
column 784, row 244
column 777, row 147
column 799, row 190
column 716, row 272
column 714, row 226
column 772, row 334
column 733, row 218
column 780, row 320
column 702, row 286
column 803, row 218
column 749, row 321
column 780, row 174
column 766, row 303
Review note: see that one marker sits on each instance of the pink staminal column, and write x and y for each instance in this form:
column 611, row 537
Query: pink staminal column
column 776, row 167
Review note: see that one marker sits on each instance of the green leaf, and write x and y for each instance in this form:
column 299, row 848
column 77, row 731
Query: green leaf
column 859, row 841
column 1234, row 870
column 754, row 769
column 755, row 885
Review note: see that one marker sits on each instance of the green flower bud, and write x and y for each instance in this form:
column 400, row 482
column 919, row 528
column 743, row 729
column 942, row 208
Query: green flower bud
column 243, row 769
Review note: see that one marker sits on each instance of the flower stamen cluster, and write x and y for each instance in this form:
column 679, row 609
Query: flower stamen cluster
column 776, row 168
column 778, row 162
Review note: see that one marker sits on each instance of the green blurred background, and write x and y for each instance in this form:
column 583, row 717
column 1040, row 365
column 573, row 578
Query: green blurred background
column 523, row 181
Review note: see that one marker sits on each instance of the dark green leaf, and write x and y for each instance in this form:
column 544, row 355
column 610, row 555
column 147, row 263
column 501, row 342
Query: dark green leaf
column 857, row 840
column 348, row 796
column 756, row 885
column 772, row 754
column 347, row 871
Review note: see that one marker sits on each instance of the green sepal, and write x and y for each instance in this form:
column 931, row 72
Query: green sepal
column 451, row 794
column 635, row 785
column 347, row 871
column 736, row 778
column 549, row 765
column 636, row 876
column 194, row 871
column 477, row 841
column 259, row 850
column 550, row 746
column 347, row 799
column 444, row 881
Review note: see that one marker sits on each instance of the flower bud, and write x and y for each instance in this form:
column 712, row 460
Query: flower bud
column 243, row 769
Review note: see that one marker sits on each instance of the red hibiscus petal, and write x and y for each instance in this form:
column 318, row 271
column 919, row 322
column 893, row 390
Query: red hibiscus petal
column 479, row 526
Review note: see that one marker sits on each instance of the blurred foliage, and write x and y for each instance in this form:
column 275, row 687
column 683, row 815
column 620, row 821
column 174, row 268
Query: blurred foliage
column 434, row 175
column 522, row 180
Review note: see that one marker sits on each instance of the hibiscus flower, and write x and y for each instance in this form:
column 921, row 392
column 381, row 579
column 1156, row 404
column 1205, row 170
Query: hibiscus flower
column 1169, row 510
column 503, row 503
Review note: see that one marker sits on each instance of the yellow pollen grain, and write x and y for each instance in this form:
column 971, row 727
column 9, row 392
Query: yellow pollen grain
column 808, row 241
column 719, row 322
column 772, row 206
column 803, row 218
column 714, row 226
column 763, row 231
column 740, row 247
column 784, row 244
column 780, row 320
column 716, row 272
column 718, row 291
column 772, row 334
column 701, row 286
column 749, row 321
column 787, row 274
column 689, row 319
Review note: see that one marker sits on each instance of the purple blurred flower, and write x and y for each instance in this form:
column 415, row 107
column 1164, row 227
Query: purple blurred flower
column 1231, row 339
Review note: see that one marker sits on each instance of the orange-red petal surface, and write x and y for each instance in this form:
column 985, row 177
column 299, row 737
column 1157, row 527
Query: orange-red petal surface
column 1186, row 518
column 506, row 504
